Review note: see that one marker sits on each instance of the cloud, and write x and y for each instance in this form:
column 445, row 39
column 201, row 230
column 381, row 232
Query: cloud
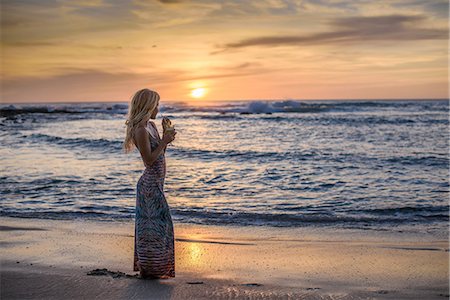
column 436, row 8
column 47, row 20
column 79, row 85
column 72, row 84
column 31, row 44
column 170, row 1
column 354, row 30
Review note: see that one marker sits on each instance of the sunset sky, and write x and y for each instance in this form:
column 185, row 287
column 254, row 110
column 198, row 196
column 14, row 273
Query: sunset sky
column 63, row 50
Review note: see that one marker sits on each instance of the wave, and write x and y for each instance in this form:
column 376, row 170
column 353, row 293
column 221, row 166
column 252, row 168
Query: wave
column 438, row 211
column 311, row 106
column 81, row 108
column 116, row 145
column 240, row 155
column 297, row 156
column 103, row 144
column 287, row 106
column 246, row 155
column 358, row 120
column 242, row 107
column 290, row 219
column 177, row 151
column 421, row 160
column 211, row 217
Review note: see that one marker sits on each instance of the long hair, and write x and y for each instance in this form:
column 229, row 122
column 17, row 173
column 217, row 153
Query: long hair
column 142, row 104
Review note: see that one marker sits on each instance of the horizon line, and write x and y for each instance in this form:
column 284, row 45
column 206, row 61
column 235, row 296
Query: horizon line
column 243, row 100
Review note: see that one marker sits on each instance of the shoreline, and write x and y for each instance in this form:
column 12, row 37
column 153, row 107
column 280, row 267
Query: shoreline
column 221, row 262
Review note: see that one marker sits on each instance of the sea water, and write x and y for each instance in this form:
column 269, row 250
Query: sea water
column 380, row 165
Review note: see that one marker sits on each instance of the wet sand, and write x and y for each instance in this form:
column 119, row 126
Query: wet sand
column 51, row 259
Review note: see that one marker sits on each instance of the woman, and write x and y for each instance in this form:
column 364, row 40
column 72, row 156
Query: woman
column 154, row 255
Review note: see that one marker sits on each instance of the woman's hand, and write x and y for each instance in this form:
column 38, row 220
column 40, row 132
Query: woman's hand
column 169, row 136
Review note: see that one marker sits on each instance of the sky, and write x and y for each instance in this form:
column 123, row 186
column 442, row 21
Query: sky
column 199, row 50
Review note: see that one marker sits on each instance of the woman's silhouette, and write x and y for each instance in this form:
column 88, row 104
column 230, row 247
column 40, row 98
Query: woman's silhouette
column 154, row 248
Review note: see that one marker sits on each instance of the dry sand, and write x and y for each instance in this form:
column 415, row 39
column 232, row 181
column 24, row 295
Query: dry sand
column 50, row 259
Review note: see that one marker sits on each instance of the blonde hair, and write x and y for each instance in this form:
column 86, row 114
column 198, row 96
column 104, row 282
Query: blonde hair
column 142, row 104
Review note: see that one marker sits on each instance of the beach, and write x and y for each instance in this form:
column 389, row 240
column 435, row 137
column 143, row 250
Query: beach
column 51, row 259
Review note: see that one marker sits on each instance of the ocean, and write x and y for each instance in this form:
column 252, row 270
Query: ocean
column 369, row 164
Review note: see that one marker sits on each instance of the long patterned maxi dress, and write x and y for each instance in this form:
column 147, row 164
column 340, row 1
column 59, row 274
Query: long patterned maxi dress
column 154, row 248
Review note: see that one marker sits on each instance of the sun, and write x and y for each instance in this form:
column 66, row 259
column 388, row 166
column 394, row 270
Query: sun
column 198, row 93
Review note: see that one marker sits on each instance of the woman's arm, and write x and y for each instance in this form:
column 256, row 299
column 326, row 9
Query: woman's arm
column 143, row 144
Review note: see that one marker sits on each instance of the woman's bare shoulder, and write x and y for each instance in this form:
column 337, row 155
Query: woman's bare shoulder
column 141, row 131
column 140, row 134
